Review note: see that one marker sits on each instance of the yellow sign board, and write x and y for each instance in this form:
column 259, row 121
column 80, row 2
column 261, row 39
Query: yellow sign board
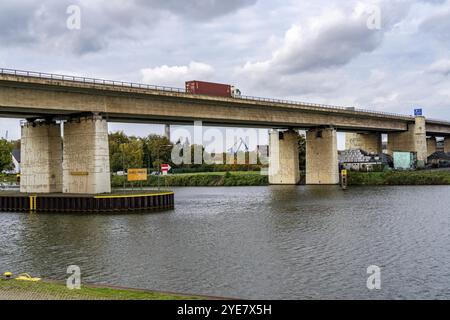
column 137, row 175
column 344, row 172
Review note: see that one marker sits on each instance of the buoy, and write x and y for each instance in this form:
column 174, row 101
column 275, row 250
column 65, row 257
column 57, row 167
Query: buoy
column 27, row 277
column 8, row 275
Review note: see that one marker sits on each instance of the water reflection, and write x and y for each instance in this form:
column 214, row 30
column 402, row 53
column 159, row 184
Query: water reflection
column 258, row 242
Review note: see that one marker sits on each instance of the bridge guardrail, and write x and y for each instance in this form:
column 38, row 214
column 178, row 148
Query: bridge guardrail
column 44, row 75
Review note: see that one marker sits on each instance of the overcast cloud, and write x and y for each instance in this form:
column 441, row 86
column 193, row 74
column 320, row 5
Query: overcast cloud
column 319, row 51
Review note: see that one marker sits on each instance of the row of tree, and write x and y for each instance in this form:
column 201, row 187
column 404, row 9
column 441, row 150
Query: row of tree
column 149, row 152
column 6, row 148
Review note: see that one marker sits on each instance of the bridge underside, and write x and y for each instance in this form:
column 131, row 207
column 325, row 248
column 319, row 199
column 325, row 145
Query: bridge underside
column 80, row 164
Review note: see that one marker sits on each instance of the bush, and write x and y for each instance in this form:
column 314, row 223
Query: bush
column 400, row 178
column 198, row 180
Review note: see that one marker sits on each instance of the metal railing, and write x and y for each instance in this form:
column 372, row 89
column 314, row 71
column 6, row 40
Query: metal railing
column 323, row 106
column 77, row 79
column 53, row 76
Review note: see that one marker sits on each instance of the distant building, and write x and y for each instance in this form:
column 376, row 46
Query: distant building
column 359, row 160
column 439, row 159
column 15, row 154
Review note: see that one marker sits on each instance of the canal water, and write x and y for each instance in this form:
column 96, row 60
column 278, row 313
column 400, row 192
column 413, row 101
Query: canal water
column 251, row 242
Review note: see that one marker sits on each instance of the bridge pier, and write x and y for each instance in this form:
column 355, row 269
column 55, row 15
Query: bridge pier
column 369, row 142
column 41, row 158
column 86, row 156
column 283, row 157
column 431, row 146
column 167, row 131
column 413, row 140
column 322, row 157
column 446, row 144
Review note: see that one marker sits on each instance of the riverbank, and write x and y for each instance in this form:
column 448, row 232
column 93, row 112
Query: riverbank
column 254, row 178
column 202, row 179
column 46, row 290
column 400, row 178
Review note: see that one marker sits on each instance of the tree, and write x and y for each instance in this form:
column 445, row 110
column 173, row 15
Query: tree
column 125, row 152
column 6, row 148
column 302, row 152
column 157, row 150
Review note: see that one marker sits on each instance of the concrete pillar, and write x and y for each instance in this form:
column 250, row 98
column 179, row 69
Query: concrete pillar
column 167, row 131
column 322, row 157
column 283, row 157
column 447, row 144
column 431, row 146
column 86, row 156
column 413, row 140
column 368, row 142
column 41, row 158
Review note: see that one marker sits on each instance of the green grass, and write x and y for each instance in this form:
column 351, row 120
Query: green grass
column 206, row 179
column 235, row 173
column 14, row 289
column 8, row 177
column 399, row 178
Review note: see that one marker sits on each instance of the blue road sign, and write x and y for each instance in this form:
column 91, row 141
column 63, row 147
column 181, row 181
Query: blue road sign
column 418, row 112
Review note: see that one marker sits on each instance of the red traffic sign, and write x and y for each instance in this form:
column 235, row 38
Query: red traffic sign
column 165, row 167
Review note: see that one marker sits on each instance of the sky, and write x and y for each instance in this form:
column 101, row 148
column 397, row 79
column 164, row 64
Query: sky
column 386, row 55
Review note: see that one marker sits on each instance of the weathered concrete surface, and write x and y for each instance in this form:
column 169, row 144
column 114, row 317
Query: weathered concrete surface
column 447, row 144
column 26, row 96
column 322, row 157
column 41, row 154
column 86, row 156
column 413, row 140
column 369, row 142
column 431, row 146
column 167, row 131
column 283, row 157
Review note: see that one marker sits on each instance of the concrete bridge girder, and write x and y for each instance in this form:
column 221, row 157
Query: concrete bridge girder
column 369, row 142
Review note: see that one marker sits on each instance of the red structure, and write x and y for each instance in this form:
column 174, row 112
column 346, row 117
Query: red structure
column 209, row 88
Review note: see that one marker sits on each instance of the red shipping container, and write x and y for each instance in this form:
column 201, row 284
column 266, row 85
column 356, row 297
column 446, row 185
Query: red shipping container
column 208, row 88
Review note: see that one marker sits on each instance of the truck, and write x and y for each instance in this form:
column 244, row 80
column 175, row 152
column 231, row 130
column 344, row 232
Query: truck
column 211, row 89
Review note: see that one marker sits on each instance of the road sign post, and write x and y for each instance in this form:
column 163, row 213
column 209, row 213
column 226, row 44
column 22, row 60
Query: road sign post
column 164, row 169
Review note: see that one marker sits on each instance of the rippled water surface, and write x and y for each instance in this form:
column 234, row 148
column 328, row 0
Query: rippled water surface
column 259, row 242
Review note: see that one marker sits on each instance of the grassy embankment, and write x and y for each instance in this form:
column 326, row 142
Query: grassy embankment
column 8, row 178
column 239, row 178
column 399, row 178
column 42, row 290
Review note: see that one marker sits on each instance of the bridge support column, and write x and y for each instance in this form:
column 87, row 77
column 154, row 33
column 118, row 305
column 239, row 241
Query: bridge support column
column 283, row 157
column 41, row 158
column 447, row 144
column 431, row 146
column 322, row 157
column 413, row 140
column 86, row 156
column 167, row 131
column 369, row 142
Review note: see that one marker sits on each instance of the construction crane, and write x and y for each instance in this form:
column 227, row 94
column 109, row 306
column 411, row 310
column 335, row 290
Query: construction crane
column 234, row 150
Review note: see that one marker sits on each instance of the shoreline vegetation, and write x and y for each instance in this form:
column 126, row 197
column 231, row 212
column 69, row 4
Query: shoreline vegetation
column 52, row 290
column 399, row 178
column 254, row 178
column 200, row 179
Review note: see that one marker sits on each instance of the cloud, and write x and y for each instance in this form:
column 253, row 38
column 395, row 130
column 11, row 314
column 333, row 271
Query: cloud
column 437, row 25
column 40, row 24
column 332, row 39
column 175, row 76
column 198, row 9
column 441, row 67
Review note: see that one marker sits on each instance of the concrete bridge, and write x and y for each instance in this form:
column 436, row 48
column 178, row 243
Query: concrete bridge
column 81, row 163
